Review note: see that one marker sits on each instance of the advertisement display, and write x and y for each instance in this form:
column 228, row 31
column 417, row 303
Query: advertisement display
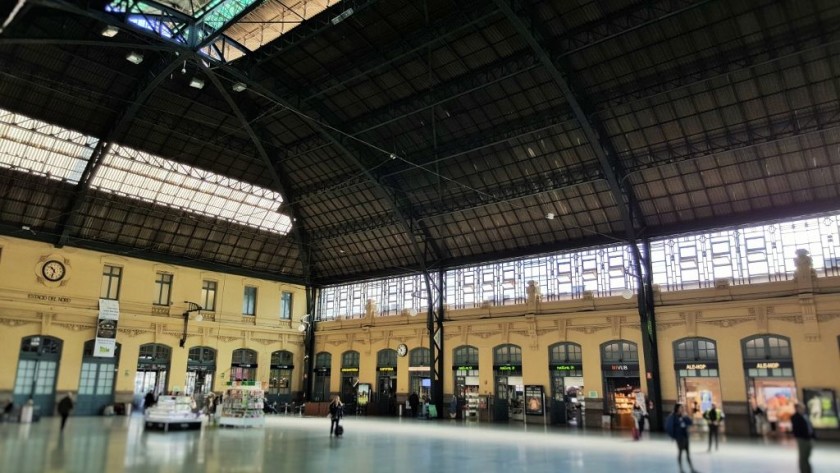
column 106, row 328
column 534, row 400
column 821, row 405
column 362, row 394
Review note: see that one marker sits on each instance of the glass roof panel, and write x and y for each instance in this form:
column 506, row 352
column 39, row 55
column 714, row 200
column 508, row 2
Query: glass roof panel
column 223, row 30
column 139, row 175
column 37, row 147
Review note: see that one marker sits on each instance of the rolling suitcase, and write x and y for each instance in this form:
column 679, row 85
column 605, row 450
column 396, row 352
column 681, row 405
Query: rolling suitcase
column 339, row 430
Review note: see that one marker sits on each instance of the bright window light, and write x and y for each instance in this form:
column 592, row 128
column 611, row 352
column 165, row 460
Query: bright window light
column 37, row 147
column 139, row 175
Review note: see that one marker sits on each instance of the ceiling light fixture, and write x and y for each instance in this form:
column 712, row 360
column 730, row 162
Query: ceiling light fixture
column 110, row 31
column 134, row 57
column 239, row 87
column 549, row 216
column 197, row 83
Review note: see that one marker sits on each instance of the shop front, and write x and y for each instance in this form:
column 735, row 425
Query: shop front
column 321, row 371
column 349, row 376
column 243, row 366
column 201, row 370
column 566, row 373
column 620, row 372
column 771, row 385
column 698, row 381
column 386, row 382
column 419, row 372
column 280, row 377
column 465, row 372
column 152, row 371
column 510, row 390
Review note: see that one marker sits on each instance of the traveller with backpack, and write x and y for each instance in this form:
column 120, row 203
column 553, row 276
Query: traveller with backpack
column 676, row 426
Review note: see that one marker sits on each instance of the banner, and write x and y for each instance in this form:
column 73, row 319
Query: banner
column 106, row 328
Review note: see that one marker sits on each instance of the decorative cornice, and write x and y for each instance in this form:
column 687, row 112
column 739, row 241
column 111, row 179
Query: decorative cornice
column 725, row 322
column 228, row 339
column 265, row 341
column 797, row 319
column 132, row 332
column 827, row 317
column 589, row 329
column 75, row 327
column 18, row 323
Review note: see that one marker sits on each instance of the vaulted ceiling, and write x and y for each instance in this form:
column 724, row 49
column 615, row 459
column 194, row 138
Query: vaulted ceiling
column 406, row 135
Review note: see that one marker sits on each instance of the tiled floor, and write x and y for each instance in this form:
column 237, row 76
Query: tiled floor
column 295, row 444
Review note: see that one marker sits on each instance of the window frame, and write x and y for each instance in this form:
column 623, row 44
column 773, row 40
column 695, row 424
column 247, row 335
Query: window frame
column 205, row 293
column 249, row 309
column 163, row 280
column 286, row 305
column 110, row 277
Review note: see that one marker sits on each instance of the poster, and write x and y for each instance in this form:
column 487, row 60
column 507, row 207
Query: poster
column 106, row 328
column 534, row 400
column 821, row 406
column 362, row 394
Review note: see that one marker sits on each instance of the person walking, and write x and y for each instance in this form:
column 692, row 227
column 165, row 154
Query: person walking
column 414, row 402
column 64, row 408
column 676, row 426
column 336, row 413
column 713, row 416
column 804, row 433
column 639, row 419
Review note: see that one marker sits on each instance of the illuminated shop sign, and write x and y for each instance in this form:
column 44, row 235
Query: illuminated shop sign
column 620, row 367
column 695, row 366
column 349, row 370
column 282, row 367
column 322, row 370
column 464, row 367
column 385, row 368
column 572, row 367
column 507, row 367
column 243, row 365
column 768, row 365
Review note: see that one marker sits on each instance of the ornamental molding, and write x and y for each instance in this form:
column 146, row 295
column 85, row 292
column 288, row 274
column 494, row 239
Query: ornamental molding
column 668, row 325
column 228, row 339
column 17, row 323
column 264, row 341
column 132, row 332
column 827, row 317
column 797, row 319
column 75, row 327
column 725, row 322
column 589, row 329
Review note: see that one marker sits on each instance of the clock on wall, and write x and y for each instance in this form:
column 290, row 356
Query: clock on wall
column 53, row 270
column 402, row 349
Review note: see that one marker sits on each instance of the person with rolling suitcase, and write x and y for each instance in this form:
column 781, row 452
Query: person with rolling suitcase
column 336, row 413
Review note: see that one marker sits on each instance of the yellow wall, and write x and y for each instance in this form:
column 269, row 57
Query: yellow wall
column 30, row 305
column 809, row 314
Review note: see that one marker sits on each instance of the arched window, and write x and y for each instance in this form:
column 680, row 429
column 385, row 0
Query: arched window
column 419, row 357
column 766, row 347
column 154, row 353
column 201, row 356
column 619, row 350
column 564, row 353
column 695, row 349
column 323, row 360
column 244, row 356
column 386, row 357
column 466, row 355
column 282, row 358
column 507, row 355
column 350, row 359
column 41, row 345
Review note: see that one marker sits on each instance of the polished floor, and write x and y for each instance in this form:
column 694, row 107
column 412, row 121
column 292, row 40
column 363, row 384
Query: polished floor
column 296, row 444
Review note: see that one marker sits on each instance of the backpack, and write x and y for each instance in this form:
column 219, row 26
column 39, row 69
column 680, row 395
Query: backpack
column 671, row 427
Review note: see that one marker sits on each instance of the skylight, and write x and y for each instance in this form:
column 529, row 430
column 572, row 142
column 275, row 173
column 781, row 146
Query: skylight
column 35, row 147
column 153, row 179
column 223, row 30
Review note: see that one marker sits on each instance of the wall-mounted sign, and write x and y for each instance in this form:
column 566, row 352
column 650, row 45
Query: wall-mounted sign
column 243, row 365
column 696, row 366
column 322, row 370
column 349, row 370
column 46, row 298
column 567, row 367
column 620, row 367
column 419, row 368
column 465, row 368
column 385, row 369
column 106, row 328
column 507, row 367
column 767, row 365
column 282, row 367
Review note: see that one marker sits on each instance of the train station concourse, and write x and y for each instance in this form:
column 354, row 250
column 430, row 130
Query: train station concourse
column 505, row 235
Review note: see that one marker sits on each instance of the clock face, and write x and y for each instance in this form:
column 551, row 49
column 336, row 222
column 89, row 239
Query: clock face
column 402, row 349
column 53, row 270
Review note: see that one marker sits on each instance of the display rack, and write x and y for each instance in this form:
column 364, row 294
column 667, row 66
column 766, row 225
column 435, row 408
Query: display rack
column 242, row 406
column 471, row 405
column 624, row 403
column 172, row 413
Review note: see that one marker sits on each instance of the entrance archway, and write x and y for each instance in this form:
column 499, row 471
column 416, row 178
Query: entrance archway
column 152, row 371
column 36, row 372
column 96, row 381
